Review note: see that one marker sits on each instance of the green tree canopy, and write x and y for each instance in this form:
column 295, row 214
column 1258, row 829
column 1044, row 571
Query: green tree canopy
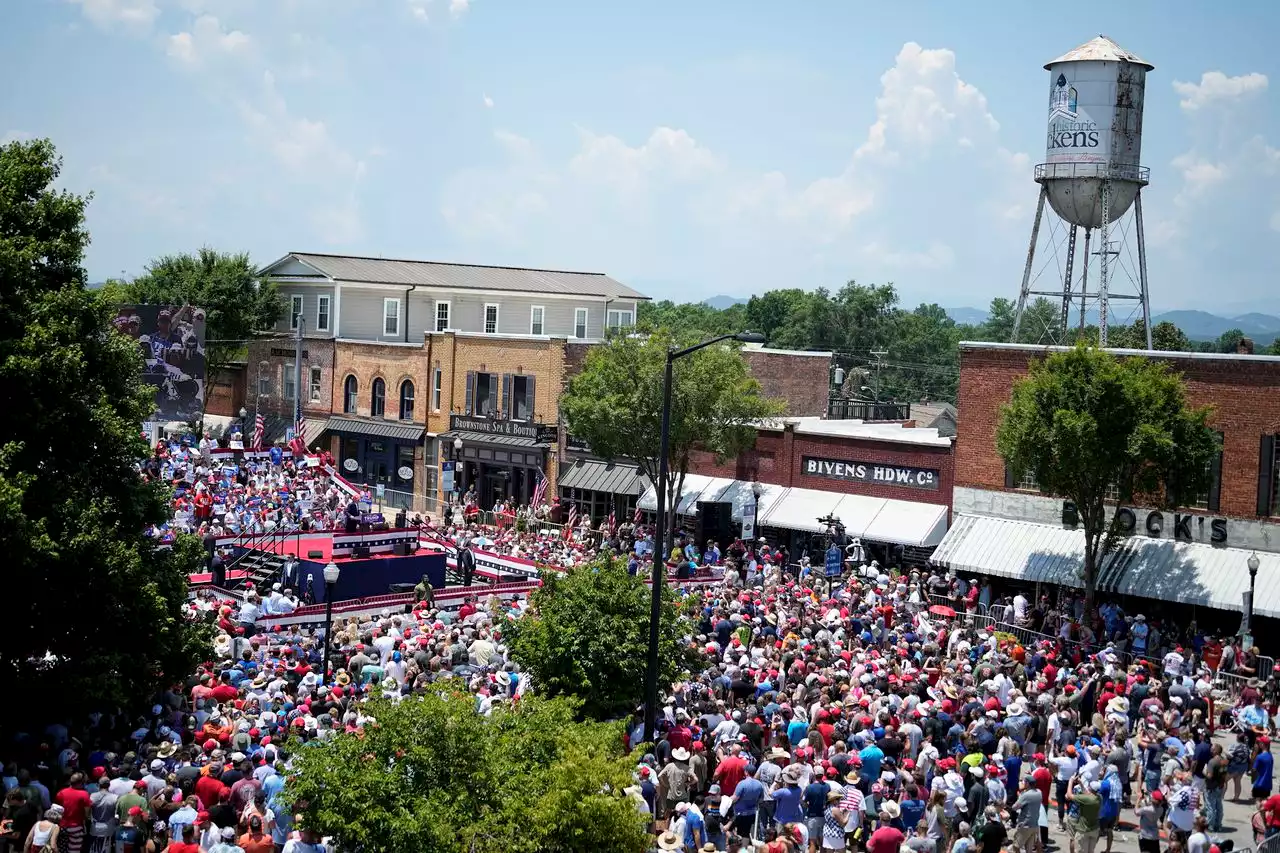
column 1084, row 423
column 433, row 775
column 615, row 404
column 73, row 509
column 588, row 636
column 225, row 285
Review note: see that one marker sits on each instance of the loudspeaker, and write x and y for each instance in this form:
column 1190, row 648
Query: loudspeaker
column 360, row 552
column 715, row 521
column 315, row 555
column 401, row 548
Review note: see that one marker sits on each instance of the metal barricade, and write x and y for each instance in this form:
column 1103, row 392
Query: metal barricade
column 1266, row 666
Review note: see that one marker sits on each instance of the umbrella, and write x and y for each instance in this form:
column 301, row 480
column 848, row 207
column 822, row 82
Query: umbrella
column 943, row 610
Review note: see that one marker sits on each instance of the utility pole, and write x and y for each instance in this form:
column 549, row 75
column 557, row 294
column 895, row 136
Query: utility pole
column 879, row 355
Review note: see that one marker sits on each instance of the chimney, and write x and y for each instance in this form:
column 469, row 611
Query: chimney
column 1245, row 347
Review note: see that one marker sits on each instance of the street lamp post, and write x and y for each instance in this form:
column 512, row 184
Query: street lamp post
column 331, row 573
column 1253, row 579
column 661, row 550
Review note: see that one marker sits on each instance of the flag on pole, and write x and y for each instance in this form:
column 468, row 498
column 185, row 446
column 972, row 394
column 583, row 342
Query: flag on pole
column 569, row 525
column 539, row 491
column 259, row 427
column 613, row 522
column 636, row 518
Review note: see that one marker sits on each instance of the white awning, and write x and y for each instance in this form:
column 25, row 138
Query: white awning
column 800, row 509
column 690, row 493
column 1163, row 569
column 907, row 523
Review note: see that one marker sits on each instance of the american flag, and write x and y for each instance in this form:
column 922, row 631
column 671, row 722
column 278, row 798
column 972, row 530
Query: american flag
column 539, row 491
column 259, row 427
column 636, row 518
column 569, row 525
column 613, row 521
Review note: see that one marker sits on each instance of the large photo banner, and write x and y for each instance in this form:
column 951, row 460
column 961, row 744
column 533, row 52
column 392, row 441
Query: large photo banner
column 171, row 340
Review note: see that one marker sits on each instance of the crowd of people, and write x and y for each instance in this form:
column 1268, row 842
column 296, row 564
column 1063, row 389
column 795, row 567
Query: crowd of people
column 829, row 716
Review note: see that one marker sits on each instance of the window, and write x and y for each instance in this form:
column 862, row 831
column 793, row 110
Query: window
column 1112, row 493
column 378, row 398
column 286, row 382
column 619, row 320
column 442, row 315
column 437, row 388
column 536, row 315
column 314, row 391
column 406, row 400
column 295, row 311
column 390, row 317
column 486, row 390
column 322, row 314
column 580, row 322
column 264, row 382
column 1028, row 481
column 521, row 398
column 490, row 319
column 349, row 390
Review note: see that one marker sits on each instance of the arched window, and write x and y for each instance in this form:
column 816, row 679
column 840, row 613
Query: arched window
column 349, row 390
column 406, row 400
column 378, row 402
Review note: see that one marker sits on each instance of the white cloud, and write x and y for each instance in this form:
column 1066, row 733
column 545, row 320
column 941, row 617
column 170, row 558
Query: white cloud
column 1216, row 88
column 488, row 102
column 418, row 9
column 634, row 204
column 136, row 15
column 206, row 41
column 458, row 8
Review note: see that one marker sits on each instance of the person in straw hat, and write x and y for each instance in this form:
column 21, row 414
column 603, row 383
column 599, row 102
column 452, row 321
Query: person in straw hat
column 675, row 783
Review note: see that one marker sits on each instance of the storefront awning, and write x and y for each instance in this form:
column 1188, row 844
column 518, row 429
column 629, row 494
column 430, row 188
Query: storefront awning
column 690, row 493
column 908, row 523
column 800, row 509
column 375, row 427
column 615, row 478
column 1163, row 569
column 314, row 428
column 489, row 438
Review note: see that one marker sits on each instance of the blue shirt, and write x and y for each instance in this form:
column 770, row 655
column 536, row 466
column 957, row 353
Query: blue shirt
column 693, row 821
column 815, row 799
column 912, row 812
column 797, row 730
column 747, row 796
column 1262, row 771
column 787, row 805
column 871, row 757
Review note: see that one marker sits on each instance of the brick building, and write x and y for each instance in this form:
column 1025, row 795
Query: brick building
column 799, row 378
column 888, row 483
column 1197, row 554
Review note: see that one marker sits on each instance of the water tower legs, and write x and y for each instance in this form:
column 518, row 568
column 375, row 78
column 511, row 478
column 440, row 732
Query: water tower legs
column 1025, row 292
column 1066, row 282
column 1143, row 293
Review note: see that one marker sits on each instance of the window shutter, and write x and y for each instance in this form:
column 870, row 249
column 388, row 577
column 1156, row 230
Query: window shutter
column 1008, row 476
column 1215, row 478
column 506, row 396
column 471, row 393
column 1266, row 456
column 529, row 398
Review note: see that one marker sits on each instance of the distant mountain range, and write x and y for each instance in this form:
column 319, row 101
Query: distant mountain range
column 722, row 302
column 1196, row 325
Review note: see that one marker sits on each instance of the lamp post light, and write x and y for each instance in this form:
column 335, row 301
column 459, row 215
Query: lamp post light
column 331, row 573
column 659, row 574
column 1253, row 579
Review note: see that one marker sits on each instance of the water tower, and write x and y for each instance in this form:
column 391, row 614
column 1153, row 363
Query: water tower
column 1092, row 175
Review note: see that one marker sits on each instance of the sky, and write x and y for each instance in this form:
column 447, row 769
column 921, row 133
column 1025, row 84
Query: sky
column 687, row 149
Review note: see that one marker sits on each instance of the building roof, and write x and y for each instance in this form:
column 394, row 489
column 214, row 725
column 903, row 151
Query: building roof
column 617, row 478
column 375, row 427
column 895, row 432
column 764, row 350
column 354, row 268
column 939, row 416
column 1100, row 49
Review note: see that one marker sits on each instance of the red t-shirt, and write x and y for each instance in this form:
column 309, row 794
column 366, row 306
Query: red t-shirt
column 1043, row 779
column 177, row 846
column 208, row 791
column 886, row 839
column 1271, row 808
column 730, row 772
column 224, row 693
column 75, row 804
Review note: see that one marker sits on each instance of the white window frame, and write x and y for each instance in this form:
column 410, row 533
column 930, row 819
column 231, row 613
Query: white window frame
column 585, row 315
column 297, row 304
column 315, row 383
column 324, row 308
column 437, row 389
column 395, row 333
column 620, row 313
column 484, row 318
column 448, row 314
column 538, row 326
column 286, row 379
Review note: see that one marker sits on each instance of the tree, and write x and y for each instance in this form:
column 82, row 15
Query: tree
column 1229, row 341
column 1165, row 337
column 1084, row 422
column 73, row 510
column 774, row 310
column 924, row 357
column 236, row 303
column 615, row 404
column 588, row 637
column 692, row 320
column 432, row 774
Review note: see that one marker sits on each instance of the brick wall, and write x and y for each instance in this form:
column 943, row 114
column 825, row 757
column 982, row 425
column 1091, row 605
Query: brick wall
column 270, row 357
column 1241, row 388
column 801, row 381
column 778, row 457
column 390, row 363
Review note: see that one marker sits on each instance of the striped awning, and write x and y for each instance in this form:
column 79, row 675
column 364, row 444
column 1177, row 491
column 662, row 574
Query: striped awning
column 1142, row 566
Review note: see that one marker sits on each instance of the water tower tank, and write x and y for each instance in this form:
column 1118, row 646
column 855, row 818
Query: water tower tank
column 1095, row 131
